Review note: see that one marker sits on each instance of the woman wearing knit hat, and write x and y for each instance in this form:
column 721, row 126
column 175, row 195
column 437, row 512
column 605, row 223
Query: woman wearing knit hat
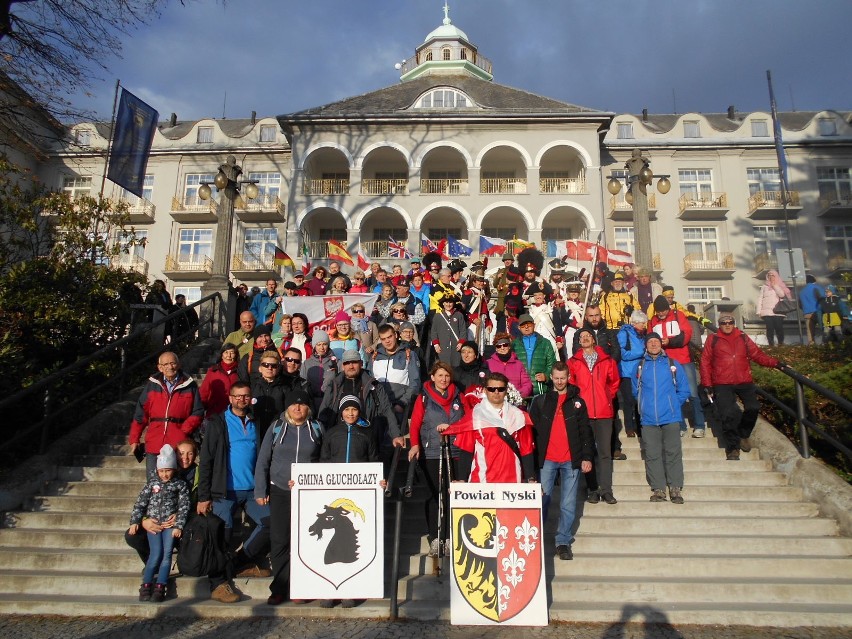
column 320, row 367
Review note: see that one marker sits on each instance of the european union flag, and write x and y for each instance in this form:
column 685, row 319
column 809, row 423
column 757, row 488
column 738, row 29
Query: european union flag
column 456, row 248
column 135, row 124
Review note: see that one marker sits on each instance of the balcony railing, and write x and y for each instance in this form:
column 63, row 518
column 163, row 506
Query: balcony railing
column 250, row 262
column 456, row 53
column 562, row 185
column 765, row 261
column 131, row 263
column 711, row 262
column 839, row 262
column 703, row 201
column 618, row 203
column 772, row 200
column 377, row 248
column 263, row 203
column 197, row 263
column 503, row 185
column 319, row 249
column 455, row 186
column 139, row 208
column 372, row 186
column 326, row 187
column 194, row 204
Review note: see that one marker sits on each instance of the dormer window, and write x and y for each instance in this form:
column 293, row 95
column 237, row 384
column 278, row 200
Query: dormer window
column 446, row 54
column 428, row 56
column 444, row 99
column 83, row 137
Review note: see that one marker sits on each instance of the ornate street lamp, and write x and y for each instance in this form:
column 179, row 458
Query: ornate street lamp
column 639, row 177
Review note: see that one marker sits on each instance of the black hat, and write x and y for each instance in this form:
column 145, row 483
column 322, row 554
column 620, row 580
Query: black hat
column 531, row 259
column 297, row 396
column 514, row 274
column 653, row 335
column 534, row 288
column 263, row 329
column 661, row 304
column 349, row 401
column 667, row 287
column 431, row 258
column 557, row 266
column 478, row 267
column 449, row 297
column 457, row 265
column 589, row 331
column 291, row 286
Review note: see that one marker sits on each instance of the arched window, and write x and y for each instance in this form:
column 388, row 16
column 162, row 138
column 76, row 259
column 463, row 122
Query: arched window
column 446, row 54
column 444, row 98
column 428, row 56
column 464, row 54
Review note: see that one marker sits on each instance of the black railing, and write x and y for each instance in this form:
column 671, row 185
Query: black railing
column 58, row 396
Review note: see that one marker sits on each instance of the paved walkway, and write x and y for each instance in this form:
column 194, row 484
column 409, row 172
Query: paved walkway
column 35, row 627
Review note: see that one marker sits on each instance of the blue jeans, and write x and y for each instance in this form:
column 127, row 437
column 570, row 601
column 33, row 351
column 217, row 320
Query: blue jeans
column 697, row 411
column 568, row 479
column 257, row 544
column 160, row 556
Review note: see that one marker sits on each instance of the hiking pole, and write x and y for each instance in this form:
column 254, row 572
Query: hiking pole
column 448, row 460
column 440, row 496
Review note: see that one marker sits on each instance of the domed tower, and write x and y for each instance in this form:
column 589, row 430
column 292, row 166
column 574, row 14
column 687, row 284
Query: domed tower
column 446, row 50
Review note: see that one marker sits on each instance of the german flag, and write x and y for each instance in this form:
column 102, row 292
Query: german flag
column 282, row 259
column 336, row 251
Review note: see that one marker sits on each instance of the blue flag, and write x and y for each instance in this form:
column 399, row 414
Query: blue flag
column 135, row 124
column 456, row 248
column 779, row 142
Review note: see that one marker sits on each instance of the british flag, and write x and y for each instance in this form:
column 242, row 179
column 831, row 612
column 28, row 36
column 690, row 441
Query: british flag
column 397, row 250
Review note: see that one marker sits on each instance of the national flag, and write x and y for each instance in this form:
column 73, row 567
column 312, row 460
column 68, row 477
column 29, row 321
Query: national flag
column 456, row 248
column 397, row 250
column 306, row 262
column 580, row 250
column 363, row 262
column 427, row 245
column 779, row 142
column 336, row 251
column 442, row 249
column 491, row 245
column 135, row 124
column 618, row 258
column 282, row 259
column 520, row 245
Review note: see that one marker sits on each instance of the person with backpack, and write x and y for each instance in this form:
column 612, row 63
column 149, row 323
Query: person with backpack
column 661, row 388
column 293, row 438
column 726, row 374
column 631, row 340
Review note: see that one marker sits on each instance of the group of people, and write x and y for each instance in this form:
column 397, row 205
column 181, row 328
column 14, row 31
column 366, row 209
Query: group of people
column 544, row 405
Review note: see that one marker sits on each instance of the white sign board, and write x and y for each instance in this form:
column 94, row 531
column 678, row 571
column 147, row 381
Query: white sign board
column 783, row 256
column 337, row 532
column 497, row 555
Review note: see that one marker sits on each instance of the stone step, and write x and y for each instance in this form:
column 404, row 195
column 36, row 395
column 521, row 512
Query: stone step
column 734, row 526
column 77, row 504
column 695, row 454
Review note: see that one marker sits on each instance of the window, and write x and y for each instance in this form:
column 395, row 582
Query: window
column 838, row 241
column 704, row 294
column 147, row 192
column 768, row 239
column 763, row 180
column 192, row 293
column 260, row 243
column 691, row 129
column 83, row 137
column 428, row 56
column 625, row 131
column 194, row 244
column 268, row 184
column 696, row 184
column 205, row 135
column 446, row 54
column 268, row 132
column 445, row 99
column 827, row 126
column 621, row 175
column 759, row 129
column 382, row 234
column 506, row 232
column 835, row 184
column 624, row 239
column 77, row 187
column 438, row 234
column 463, row 54
column 193, row 181
column 700, row 242
column 332, row 234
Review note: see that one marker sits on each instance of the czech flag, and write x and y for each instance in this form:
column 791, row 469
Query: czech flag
column 491, row 246
column 336, row 251
column 282, row 259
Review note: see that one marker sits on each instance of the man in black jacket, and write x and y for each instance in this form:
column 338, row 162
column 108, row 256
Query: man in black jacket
column 565, row 445
column 226, row 483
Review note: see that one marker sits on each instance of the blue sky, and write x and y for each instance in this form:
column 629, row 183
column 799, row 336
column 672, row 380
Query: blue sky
column 279, row 56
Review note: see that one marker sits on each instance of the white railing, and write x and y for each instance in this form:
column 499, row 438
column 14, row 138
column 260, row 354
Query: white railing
column 139, row 206
column 458, row 186
column 703, row 201
column 503, row 185
column 562, row 185
column 200, row 263
column 377, row 248
column 131, row 263
column 326, row 187
column 263, row 203
column 372, row 186
column 194, row 204
column 618, row 203
column 249, row 262
column 710, row 262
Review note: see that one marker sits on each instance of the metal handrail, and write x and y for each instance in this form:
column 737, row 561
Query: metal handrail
column 47, row 383
column 404, row 493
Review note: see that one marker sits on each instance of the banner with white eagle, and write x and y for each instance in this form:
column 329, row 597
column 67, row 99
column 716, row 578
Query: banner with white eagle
column 337, row 532
column 497, row 556
column 321, row 309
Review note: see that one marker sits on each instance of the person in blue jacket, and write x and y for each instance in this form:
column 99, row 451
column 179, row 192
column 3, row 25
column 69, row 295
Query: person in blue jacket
column 631, row 340
column 809, row 301
column 660, row 388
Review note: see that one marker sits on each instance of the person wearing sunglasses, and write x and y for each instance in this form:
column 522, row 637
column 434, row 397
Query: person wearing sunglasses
column 291, row 368
column 726, row 376
column 504, row 360
column 250, row 364
column 268, row 390
column 495, row 440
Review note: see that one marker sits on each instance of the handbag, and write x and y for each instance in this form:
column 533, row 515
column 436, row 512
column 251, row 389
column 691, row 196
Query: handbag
column 784, row 307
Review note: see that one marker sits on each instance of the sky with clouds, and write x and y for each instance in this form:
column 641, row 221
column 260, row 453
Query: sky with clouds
column 280, row 56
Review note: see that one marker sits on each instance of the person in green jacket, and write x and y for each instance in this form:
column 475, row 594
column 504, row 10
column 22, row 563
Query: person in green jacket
column 535, row 352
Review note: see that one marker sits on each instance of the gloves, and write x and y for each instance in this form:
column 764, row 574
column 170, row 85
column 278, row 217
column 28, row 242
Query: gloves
column 705, row 396
column 781, row 365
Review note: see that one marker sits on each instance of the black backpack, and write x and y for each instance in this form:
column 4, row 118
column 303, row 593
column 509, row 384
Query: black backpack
column 202, row 546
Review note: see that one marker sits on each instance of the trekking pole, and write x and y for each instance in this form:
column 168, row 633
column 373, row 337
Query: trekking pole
column 448, row 459
column 437, row 559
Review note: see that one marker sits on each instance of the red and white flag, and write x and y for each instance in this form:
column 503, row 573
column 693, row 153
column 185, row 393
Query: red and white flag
column 363, row 261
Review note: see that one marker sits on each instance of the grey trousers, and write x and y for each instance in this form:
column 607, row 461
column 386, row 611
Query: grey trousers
column 663, row 456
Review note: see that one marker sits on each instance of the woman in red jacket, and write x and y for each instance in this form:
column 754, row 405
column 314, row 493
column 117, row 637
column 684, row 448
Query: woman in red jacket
column 217, row 383
column 506, row 362
column 596, row 375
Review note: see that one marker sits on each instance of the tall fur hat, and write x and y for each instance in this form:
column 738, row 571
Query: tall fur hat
column 531, row 258
column 431, row 258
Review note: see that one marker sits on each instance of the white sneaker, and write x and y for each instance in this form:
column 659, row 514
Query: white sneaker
column 683, row 433
column 433, row 547
column 698, row 433
column 448, row 548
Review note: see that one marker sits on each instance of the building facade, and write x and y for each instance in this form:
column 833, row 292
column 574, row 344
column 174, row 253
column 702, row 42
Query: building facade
column 449, row 152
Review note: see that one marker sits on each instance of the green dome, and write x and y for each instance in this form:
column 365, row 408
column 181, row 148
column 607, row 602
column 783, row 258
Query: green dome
column 446, row 31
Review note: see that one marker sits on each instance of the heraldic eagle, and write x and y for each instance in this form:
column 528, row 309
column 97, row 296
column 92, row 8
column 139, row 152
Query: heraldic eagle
column 475, row 559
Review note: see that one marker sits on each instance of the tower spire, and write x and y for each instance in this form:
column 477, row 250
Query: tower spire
column 447, row 13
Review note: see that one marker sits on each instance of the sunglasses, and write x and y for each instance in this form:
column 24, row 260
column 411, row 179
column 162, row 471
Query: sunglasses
column 359, row 278
column 502, row 345
column 399, row 310
column 269, row 365
column 727, row 323
column 496, row 389
column 358, row 310
column 292, row 360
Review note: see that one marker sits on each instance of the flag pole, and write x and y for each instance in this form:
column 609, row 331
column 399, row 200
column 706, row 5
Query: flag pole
column 109, row 142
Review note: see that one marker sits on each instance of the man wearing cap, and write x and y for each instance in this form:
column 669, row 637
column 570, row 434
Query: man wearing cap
column 535, row 352
column 500, row 281
column 243, row 337
column 250, row 363
column 645, row 291
column 226, row 482
column 264, row 304
column 675, row 332
column 660, row 388
column 301, row 289
column 415, row 268
column 376, row 407
column 726, row 374
column 398, row 370
column 294, row 438
column 617, row 304
column 475, row 302
column 413, row 308
column 320, row 368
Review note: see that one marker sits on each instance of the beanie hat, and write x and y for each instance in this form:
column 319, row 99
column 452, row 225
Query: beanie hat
column 320, row 337
column 651, row 336
column 351, row 355
column 661, row 304
column 589, row 331
column 342, row 316
column 406, row 325
column 349, row 401
column 297, row 396
column 167, row 458
column 471, row 344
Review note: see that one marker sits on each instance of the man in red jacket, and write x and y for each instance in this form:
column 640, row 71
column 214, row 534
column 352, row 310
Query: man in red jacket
column 169, row 407
column 675, row 332
column 726, row 373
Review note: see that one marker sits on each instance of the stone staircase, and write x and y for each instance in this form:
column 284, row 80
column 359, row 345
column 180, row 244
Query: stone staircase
column 744, row 549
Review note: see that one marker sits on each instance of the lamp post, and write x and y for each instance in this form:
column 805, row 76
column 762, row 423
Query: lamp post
column 639, row 176
column 228, row 183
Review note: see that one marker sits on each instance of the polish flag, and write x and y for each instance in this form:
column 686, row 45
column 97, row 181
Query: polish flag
column 363, row 262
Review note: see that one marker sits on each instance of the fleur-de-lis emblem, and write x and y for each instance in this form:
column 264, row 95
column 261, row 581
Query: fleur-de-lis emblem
column 502, row 532
column 503, row 597
column 527, row 533
column 513, row 567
